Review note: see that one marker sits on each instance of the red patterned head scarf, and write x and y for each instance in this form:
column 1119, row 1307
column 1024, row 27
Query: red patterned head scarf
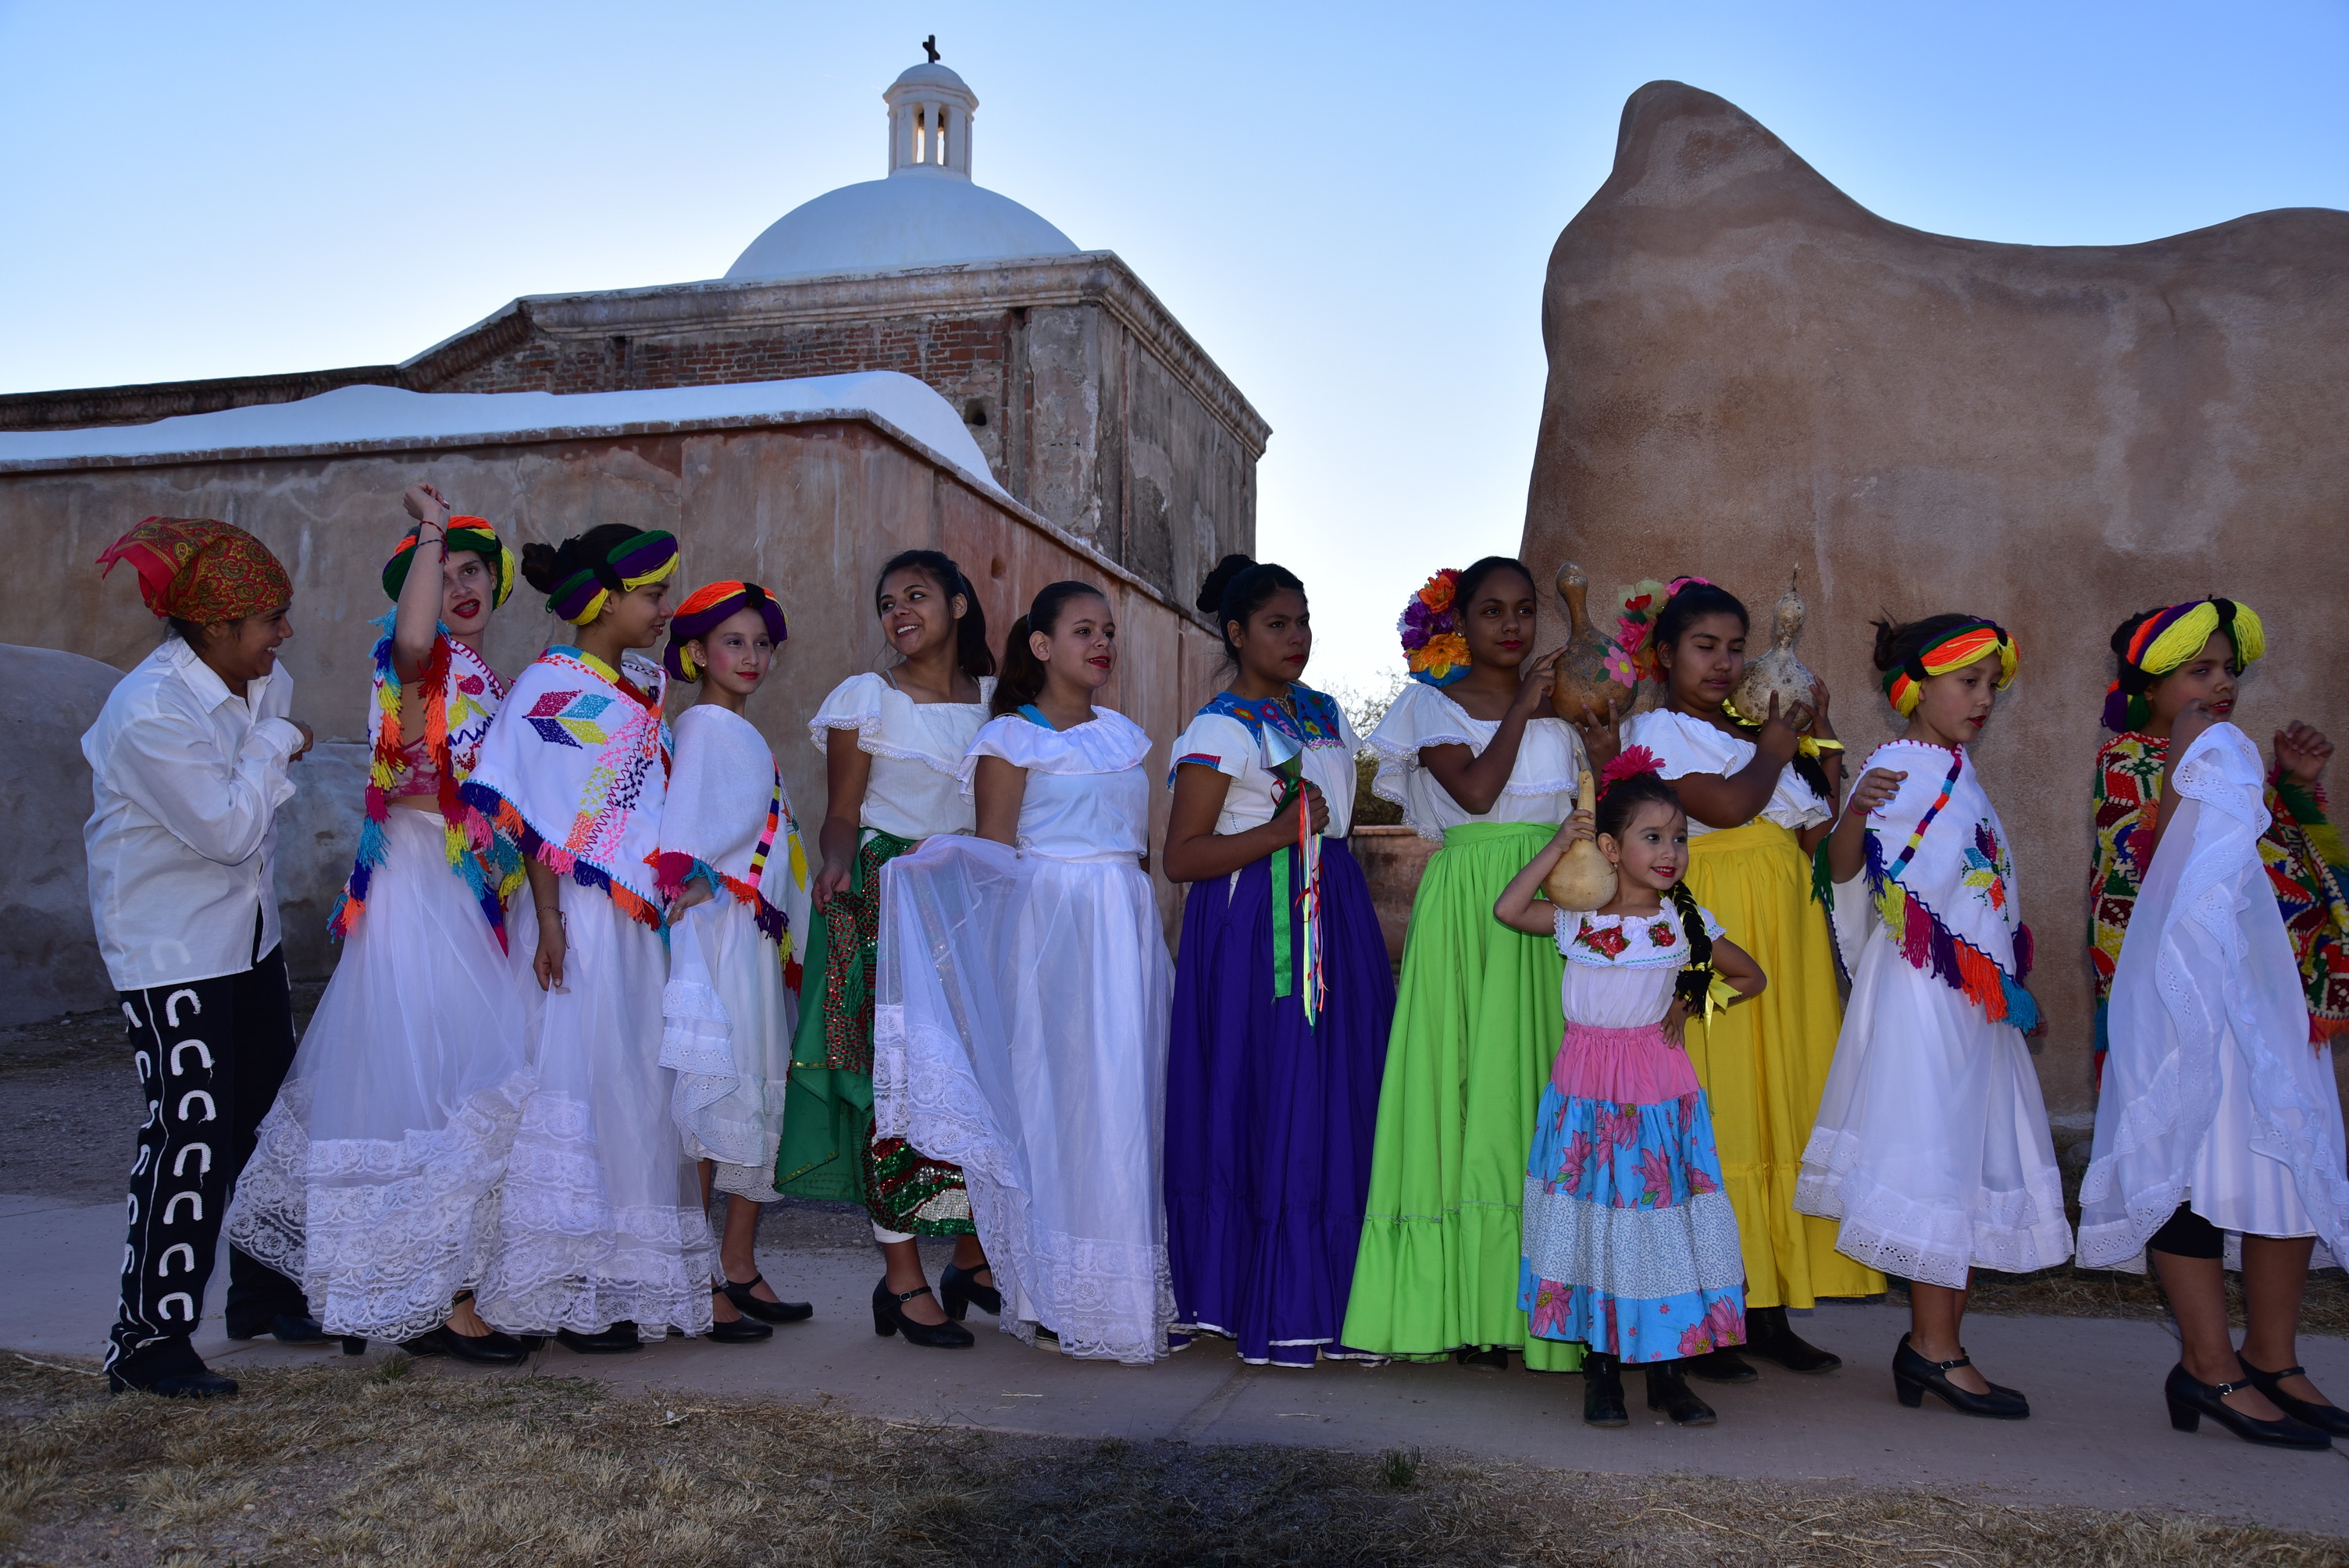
column 195, row 568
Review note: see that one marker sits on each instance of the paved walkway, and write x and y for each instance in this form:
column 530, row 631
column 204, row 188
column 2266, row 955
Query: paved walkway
column 2099, row 1435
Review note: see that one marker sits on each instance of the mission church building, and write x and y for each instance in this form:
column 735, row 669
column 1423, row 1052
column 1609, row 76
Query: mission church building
column 1091, row 403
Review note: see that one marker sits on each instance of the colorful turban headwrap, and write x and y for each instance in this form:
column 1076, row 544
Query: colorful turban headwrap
column 195, row 568
column 2168, row 639
column 1954, row 650
column 633, row 562
column 708, row 607
column 470, row 534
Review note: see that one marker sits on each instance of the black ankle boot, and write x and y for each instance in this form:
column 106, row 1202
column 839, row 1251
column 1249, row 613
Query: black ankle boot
column 1769, row 1336
column 1722, row 1366
column 1668, row 1391
column 1602, row 1391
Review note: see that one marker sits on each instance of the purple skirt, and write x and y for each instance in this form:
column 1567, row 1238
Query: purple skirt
column 1268, row 1122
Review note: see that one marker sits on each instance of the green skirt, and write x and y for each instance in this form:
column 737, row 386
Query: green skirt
column 1476, row 1030
column 828, row 1149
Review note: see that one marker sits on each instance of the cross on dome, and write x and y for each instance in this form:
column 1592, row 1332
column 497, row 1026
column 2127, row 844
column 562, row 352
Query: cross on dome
column 929, row 118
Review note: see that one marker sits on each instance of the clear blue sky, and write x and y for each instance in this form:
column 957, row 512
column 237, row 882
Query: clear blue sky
column 1350, row 207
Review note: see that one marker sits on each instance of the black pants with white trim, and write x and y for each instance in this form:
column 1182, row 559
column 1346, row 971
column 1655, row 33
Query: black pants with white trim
column 211, row 1055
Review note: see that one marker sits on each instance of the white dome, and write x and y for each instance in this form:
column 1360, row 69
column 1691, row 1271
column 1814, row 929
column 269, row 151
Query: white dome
column 913, row 219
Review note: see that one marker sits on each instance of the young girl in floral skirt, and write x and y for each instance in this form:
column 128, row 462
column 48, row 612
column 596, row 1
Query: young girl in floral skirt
column 1630, row 1244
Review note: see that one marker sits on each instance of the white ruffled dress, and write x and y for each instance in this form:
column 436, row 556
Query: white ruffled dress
column 2213, row 1096
column 732, row 999
column 1931, row 1150
column 1020, row 1029
column 601, row 1220
column 374, row 1178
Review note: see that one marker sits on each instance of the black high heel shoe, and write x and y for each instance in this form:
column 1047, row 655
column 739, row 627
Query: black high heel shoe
column 1602, row 1392
column 959, row 1290
column 765, row 1311
column 1668, row 1391
column 2330, row 1420
column 889, row 1318
column 742, row 1330
column 617, row 1340
column 491, row 1349
column 1770, row 1337
column 2190, row 1400
column 1912, row 1375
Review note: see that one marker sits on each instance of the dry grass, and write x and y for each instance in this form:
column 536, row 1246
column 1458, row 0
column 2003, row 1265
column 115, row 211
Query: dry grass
column 350, row 1465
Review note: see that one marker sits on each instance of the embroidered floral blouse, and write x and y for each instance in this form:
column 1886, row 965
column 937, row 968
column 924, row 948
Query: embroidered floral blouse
column 1621, row 968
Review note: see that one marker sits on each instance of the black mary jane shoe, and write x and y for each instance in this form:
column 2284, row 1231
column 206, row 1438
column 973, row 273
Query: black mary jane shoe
column 741, row 1330
column 491, row 1349
column 616, row 1340
column 1770, row 1337
column 889, row 1318
column 1484, row 1358
column 286, row 1328
column 1602, row 1392
column 959, row 1290
column 170, row 1370
column 1668, row 1391
column 2190, row 1400
column 1912, row 1375
column 765, row 1311
column 1722, row 1366
column 2330, row 1420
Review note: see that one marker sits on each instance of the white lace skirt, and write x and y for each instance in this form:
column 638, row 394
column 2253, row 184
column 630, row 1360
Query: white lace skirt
column 729, row 1020
column 1021, row 1024
column 1931, row 1145
column 601, row 1217
column 374, row 1178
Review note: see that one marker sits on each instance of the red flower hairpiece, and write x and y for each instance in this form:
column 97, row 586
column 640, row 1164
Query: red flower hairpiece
column 1630, row 763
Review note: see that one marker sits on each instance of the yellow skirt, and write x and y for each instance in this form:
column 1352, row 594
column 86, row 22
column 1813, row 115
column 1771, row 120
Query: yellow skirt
column 1763, row 1063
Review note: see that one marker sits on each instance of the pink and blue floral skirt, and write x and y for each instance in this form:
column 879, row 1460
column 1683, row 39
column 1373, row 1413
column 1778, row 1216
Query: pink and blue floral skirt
column 1630, row 1246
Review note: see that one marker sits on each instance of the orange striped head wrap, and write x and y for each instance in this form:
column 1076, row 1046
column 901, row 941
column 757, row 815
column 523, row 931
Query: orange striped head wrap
column 708, row 607
column 1958, row 648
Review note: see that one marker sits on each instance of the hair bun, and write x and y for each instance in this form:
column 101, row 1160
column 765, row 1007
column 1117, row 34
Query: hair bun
column 541, row 567
column 1211, row 592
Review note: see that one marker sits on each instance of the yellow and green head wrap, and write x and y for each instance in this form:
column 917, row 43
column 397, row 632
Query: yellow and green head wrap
column 470, row 534
column 630, row 565
column 1956, row 648
column 2153, row 644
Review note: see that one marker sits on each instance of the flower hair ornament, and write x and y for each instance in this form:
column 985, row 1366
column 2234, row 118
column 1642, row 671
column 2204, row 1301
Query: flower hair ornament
column 1435, row 649
column 1635, row 628
column 1629, row 763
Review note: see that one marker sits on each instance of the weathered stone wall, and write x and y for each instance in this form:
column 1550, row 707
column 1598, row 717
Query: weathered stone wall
column 1090, row 403
column 1749, row 371
column 809, row 510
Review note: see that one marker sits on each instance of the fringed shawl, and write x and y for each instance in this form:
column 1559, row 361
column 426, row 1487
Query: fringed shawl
column 728, row 820
column 576, row 771
column 461, row 696
column 1940, row 879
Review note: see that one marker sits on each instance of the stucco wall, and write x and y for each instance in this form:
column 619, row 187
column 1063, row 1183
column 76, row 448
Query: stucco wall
column 811, row 511
column 1749, row 371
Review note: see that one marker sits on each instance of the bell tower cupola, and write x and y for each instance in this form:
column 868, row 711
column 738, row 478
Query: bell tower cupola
column 930, row 110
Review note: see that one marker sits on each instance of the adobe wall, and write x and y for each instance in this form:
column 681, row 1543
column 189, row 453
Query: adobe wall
column 812, row 510
column 1749, row 371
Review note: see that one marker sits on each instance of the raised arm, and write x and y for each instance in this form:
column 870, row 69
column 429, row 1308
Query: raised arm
column 1521, row 906
column 416, row 622
column 217, row 803
column 1736, row 799
column 1847, row 845
column 1474, row 781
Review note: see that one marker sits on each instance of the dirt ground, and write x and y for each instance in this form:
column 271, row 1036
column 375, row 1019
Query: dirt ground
column 341, row 1465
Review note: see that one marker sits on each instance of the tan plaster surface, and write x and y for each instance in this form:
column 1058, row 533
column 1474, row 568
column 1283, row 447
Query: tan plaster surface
column 1749, row 372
